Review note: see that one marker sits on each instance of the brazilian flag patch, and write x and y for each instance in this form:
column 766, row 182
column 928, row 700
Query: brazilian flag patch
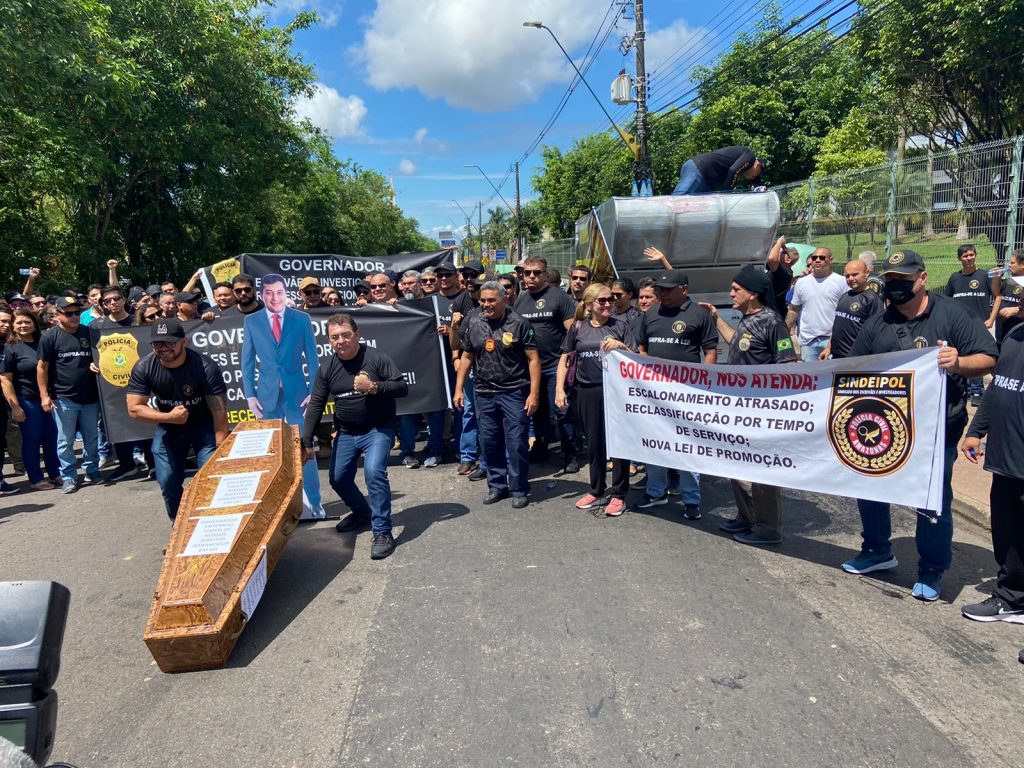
column 783, row 344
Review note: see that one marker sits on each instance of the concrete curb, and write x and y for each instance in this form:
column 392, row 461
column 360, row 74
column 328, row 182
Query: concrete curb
column 973, row 514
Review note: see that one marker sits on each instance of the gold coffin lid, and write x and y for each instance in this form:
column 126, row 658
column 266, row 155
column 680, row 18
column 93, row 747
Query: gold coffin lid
column 250, row 504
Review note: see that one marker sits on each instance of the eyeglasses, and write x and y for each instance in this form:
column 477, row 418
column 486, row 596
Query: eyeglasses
column 428, row 280
column 242, row 290
column 362, row 292
column 70, row 312
column 604, row 300
column 818, row 257
column 534, row 271
column 310, row 291
column 163, row 344
column 578, row 278
column 379, row 286
column 617, row 295
column 443, row 275
column 113, row 299
column 151, row 317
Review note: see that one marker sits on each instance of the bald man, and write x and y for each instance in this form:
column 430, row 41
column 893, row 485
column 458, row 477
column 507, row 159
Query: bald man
column 854, row 307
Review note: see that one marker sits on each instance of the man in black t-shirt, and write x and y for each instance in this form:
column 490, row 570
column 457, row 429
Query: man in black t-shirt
column 854, row 307
column 116, row 315
column 761, row 338
column 1001, row 418
column 916, row 319
column 243, row 286
column 551, row 312
column 364, row 384
column 718, row 171
column 500, row 347
column 971, row 289
column 67, row 386
column 676, row 329
column 460, row 304
column 190, row 413
column 1011, row 291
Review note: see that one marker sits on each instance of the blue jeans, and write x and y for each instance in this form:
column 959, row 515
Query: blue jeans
column 170, row 451
column 975, row 387
column 72, row 417
column 811, row 350
column 548, row 420
column 689, row 484
column 408, row 426
column 691, row 181
column 934, row 535
column 503, row 423
column 374, row 446
column 38, row 429
column 469, row 449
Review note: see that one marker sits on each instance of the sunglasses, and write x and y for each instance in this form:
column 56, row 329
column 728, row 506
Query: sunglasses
column 242, row 290
column 428, row 280
column 576, row 278
column 151, row 317
column 379, row 286
column 70, row 312
column 617, row 295
column 817, row 258
column 534, row 271
column 604, row 300
column 444, row 274
column 112, row 299
column 310, row 291
column 362, row 292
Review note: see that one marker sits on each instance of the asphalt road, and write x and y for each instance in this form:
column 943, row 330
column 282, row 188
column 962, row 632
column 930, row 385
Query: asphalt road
column 541, row 637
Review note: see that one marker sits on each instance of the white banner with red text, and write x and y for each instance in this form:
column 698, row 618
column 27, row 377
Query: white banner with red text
column 871, row 427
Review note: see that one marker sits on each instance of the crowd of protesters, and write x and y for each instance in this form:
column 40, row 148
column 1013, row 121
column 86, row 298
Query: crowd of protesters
column 525, row 356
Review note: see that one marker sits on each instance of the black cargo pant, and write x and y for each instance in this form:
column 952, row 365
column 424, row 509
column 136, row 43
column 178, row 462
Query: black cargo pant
column 1006, row 500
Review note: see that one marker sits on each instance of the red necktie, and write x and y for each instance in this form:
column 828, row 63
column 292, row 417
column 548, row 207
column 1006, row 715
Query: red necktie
column 277, row 327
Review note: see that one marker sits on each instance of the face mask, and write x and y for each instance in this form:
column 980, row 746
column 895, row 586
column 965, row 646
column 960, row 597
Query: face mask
column 899, row 291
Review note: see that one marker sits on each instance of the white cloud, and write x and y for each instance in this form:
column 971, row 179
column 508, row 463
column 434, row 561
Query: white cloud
column 407, row 167
column 283, row 11
column 471, row 54
column 663, row 46
column 420, row 135
column 340, row 116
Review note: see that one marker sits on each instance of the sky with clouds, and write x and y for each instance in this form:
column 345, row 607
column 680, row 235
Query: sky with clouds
column 420, row 89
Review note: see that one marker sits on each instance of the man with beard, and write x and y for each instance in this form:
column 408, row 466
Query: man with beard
column 242, row 285
column 854, row 307
column 579, row 279
column 916, row 319
column 188, row 391
column 311, row 292
column 551, row 312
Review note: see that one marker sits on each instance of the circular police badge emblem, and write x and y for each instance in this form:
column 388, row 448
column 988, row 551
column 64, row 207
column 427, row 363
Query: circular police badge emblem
column 854, row 307
column 920, row 342
column 896, row 258
column 187, row 390
column 84, row 343
column 678, row 326
column 869, row 421
column 974, row 284
column 1016, row 290
column 118, row 354
column 541, row 304
column 744, row 344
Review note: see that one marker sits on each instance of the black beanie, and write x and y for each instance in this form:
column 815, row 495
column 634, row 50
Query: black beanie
column 754, row 280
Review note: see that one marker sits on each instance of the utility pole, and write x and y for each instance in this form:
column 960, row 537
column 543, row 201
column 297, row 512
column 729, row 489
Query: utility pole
column 643, row 175
column 519, row 219
column 480, row 228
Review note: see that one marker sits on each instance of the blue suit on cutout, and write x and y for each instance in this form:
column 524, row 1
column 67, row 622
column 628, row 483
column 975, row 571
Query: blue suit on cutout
column 282, row 385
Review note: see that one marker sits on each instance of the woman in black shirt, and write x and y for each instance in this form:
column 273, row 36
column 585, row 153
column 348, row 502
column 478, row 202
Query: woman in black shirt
column 38, row 429
column 595, row 331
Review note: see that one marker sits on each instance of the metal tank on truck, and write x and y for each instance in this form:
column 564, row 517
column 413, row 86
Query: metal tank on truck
column 709, row 236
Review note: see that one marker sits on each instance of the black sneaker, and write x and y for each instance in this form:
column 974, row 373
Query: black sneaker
column 495, row 496
column 477, row 474
column 993, row 609
column 410, row 461
column 691, row 512
column 122, row 472
column 736, row 525
column 352, row 523
column 382, row 546
column 649, row 501
column 519, row 502
column 572, row 466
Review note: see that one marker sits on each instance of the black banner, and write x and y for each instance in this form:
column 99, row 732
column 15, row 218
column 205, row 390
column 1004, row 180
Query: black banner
column 407, row 332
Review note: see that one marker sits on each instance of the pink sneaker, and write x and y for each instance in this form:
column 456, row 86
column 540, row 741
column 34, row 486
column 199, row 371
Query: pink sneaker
column 615, row 508
column 587, row 502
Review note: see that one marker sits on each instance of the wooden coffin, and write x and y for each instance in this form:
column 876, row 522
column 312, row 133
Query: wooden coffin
column 232, row 524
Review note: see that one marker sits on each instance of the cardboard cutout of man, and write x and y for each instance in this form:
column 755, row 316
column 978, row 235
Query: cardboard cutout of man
column 279, row 337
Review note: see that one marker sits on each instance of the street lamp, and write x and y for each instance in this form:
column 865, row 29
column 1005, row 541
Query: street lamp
column 469, row 227
column 626, row 137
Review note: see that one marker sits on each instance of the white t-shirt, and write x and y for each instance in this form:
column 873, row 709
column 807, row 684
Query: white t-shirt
column 817, row 298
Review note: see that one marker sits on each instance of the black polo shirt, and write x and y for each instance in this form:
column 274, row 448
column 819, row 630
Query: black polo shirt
column 547, row 311
column 781, row 280
column 1001, row 415
column 1011, row 295
column 972, row 291
column 677, row 334
column 20, row 361
column 851, row 312
column 761, row 338
column 942, row 319
column 463, row 302
column 499, row 350
column 69, row 356
column 107, row 322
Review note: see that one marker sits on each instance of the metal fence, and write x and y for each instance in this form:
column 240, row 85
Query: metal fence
column 930, row 202
column 560, row 254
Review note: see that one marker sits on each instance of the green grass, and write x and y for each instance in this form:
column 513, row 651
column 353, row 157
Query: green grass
column 939, row 253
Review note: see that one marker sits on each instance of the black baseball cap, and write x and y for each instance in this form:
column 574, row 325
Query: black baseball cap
column 672, row 278
column 154, row 290
column 167, row 329
column 445, row 266
column 16, row 297
column 474, row 265
column 186, row 298
column 905, row 262
column 66, row 302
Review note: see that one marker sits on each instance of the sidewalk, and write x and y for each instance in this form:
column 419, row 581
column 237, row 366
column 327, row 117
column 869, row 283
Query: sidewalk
column 970, row 490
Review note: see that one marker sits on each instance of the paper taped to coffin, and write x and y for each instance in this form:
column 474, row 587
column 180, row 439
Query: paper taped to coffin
column 709, row 236
column 232, row 524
